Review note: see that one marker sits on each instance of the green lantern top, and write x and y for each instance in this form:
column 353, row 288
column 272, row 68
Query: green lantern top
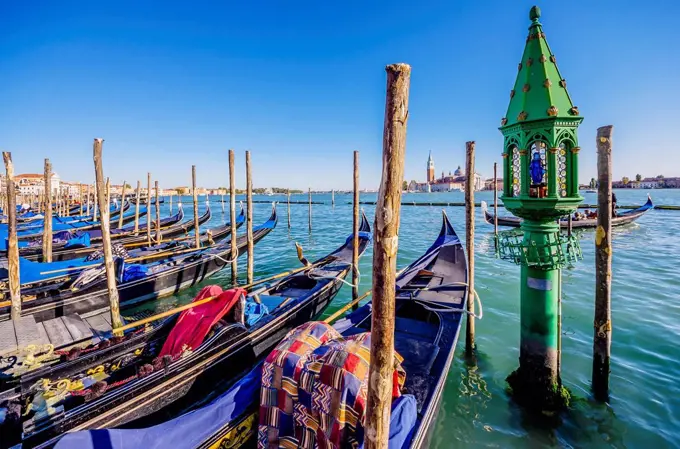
column 540, row 92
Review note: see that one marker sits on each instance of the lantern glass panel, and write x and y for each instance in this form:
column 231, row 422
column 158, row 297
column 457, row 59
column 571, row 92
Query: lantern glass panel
column 515, row 170
column 562, row 170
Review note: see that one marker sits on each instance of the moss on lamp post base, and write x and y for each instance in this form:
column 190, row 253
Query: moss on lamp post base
column 537, row 389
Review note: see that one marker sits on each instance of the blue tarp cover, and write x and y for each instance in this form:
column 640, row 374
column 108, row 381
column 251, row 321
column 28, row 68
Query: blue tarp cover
column 135, row 271
column 30, row 271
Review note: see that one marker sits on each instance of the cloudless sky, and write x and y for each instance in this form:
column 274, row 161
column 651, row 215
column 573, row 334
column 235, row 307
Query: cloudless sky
column 302, row 84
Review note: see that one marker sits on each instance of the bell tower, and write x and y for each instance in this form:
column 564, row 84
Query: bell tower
column 430, row 169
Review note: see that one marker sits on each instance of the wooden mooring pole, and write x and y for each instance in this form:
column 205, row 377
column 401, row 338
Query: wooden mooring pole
column 470, row 244
column 495, row 199
column 288, row 200
column 197, row 235
column 158, row 214
column 13, row 243
column 249, row 218
column 223, row 204
column 106, row 235
column 122, row 202
column 333, row 197
column 603, row 266
column 96, row 202
column 170, row 202
column 137, row 195
column 386, row 242
column 47, row 227
column 232, row 217
column 148, row 208
column 310, row 209
column 355, row 233
column 80, row 199
column 108, row 196
column 87, row 209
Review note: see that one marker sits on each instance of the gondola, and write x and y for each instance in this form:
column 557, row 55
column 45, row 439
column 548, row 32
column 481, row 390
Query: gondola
column 87, row 293
column 171, row 228
column 148, row 380
column 431, row 294
column 36, row 273
column 622, row 218
column 33, row 233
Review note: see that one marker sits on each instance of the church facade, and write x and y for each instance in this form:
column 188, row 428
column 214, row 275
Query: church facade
column 451, row 183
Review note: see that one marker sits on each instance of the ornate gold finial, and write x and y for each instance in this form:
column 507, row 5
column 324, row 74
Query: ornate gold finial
column 547, row 83
column 522, row 116
column 563, row 83
column 519, row 67
column 529, row 62
column 526, row 88
column 504, row 121
column 552, row 59
column 552, row 111
column 573, row 110
column 542, row 59
column 512, row 93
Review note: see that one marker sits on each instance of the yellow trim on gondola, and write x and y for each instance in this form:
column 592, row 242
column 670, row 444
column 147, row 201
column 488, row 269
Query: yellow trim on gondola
column 238, row 434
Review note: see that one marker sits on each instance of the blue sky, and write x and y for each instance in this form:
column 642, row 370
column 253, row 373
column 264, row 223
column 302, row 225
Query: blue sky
column 302, row 84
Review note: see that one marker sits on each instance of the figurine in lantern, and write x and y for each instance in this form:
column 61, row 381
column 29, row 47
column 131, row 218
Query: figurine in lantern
column 537, row 172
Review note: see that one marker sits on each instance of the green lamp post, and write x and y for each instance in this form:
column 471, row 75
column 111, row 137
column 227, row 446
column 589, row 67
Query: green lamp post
column 540, row 161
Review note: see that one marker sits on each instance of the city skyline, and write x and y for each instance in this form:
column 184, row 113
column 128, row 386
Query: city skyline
column 303, row 86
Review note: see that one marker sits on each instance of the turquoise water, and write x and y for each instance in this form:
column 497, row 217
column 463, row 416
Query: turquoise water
column 644, row 409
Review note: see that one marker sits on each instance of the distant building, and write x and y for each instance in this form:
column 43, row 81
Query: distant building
column 450, row 183
column 488, row 184
column 649, row 183
column 34, row 184
column 672, row 183
column 430, row 169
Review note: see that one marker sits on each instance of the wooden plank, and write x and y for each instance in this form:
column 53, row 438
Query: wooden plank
column 43, row 334
column 99, row 325
column 57, row 333
column 107, row 317
column 8, row 338
column 27, row 332
column 78, row 329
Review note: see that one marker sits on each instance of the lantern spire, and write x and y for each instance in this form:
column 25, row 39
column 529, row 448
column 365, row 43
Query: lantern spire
column 540, row 91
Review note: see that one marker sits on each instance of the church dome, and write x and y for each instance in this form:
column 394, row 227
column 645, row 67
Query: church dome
column 459, row 172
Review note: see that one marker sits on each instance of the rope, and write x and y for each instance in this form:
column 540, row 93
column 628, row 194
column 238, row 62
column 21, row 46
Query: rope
column 311, row 275
column 227, row 260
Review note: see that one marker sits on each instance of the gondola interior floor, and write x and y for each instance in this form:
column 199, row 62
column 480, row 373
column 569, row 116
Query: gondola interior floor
column 19, row 335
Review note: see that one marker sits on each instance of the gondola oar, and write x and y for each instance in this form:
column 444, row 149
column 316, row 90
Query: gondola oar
column 203, row 301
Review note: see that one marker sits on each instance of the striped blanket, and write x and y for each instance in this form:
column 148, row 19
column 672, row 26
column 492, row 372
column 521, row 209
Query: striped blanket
column 314, row 389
